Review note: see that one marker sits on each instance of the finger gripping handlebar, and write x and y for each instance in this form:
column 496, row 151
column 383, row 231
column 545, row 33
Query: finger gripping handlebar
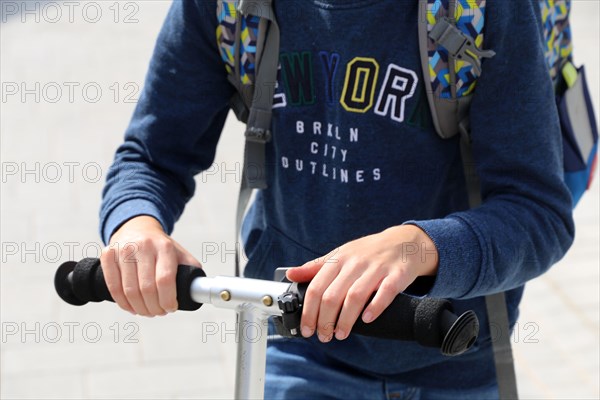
column 83, row 282
column 430, row 322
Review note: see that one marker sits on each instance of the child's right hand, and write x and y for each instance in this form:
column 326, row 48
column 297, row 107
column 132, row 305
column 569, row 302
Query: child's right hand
column 140, row 265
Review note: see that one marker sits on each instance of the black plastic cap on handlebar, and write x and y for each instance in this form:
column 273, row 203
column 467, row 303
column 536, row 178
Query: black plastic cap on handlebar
column 63, row 286
column 83, row 282
column 461, row 333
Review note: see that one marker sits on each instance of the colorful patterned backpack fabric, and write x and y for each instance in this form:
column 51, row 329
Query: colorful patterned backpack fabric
column 470, row 19
column 557, row 33
column 247, row 40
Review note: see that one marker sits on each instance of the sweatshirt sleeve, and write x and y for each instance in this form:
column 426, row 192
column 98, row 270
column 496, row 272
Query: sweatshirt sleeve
column 524, row 224
column 176, row 125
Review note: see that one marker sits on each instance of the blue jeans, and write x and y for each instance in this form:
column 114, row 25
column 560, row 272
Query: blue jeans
column 295, row 371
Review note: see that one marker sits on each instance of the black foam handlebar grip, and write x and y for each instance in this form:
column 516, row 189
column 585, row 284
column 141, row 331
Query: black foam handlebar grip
column 408, row 318
column 428, row 321
column 83, row 282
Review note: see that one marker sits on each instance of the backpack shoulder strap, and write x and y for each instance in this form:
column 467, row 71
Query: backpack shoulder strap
column 251, row 59
column 495, row 303
column 450, row 40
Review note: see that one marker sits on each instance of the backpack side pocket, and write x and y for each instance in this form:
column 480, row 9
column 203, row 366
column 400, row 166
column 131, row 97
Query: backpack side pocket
column 580, row 135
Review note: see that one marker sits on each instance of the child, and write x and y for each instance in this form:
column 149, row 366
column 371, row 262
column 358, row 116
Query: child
column 362, row 193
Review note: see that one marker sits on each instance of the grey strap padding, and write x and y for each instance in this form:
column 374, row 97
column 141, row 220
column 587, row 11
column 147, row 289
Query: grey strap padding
column 495, row 303
column 258, row 127
column 446, row 113
column 258, row 124
column 424, row 53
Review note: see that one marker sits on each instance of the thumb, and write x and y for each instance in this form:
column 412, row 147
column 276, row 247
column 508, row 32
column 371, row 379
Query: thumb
column 306, row 272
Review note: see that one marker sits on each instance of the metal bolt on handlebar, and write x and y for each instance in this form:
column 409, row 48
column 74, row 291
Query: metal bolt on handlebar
column 225, row 295
column 267, row 301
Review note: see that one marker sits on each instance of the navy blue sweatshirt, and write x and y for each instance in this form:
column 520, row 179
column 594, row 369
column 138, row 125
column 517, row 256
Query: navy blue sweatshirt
column 346, row 162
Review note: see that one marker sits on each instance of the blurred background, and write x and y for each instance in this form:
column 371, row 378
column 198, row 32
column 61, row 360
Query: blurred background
column 71, row 73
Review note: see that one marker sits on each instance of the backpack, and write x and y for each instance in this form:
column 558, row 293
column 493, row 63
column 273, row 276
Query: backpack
column 451, row 36
column 451, row 57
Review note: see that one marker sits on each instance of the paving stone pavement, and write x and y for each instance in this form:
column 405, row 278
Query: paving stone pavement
column 54, row 151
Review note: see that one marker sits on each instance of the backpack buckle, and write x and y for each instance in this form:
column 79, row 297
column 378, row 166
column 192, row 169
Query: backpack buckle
column 459, row 46
column 258, row 135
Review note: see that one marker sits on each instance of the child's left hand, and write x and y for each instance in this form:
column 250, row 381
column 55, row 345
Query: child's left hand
column 343, row 280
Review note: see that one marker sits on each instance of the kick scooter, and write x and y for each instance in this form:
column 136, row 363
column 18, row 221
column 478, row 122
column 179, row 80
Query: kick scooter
column 429, row 322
